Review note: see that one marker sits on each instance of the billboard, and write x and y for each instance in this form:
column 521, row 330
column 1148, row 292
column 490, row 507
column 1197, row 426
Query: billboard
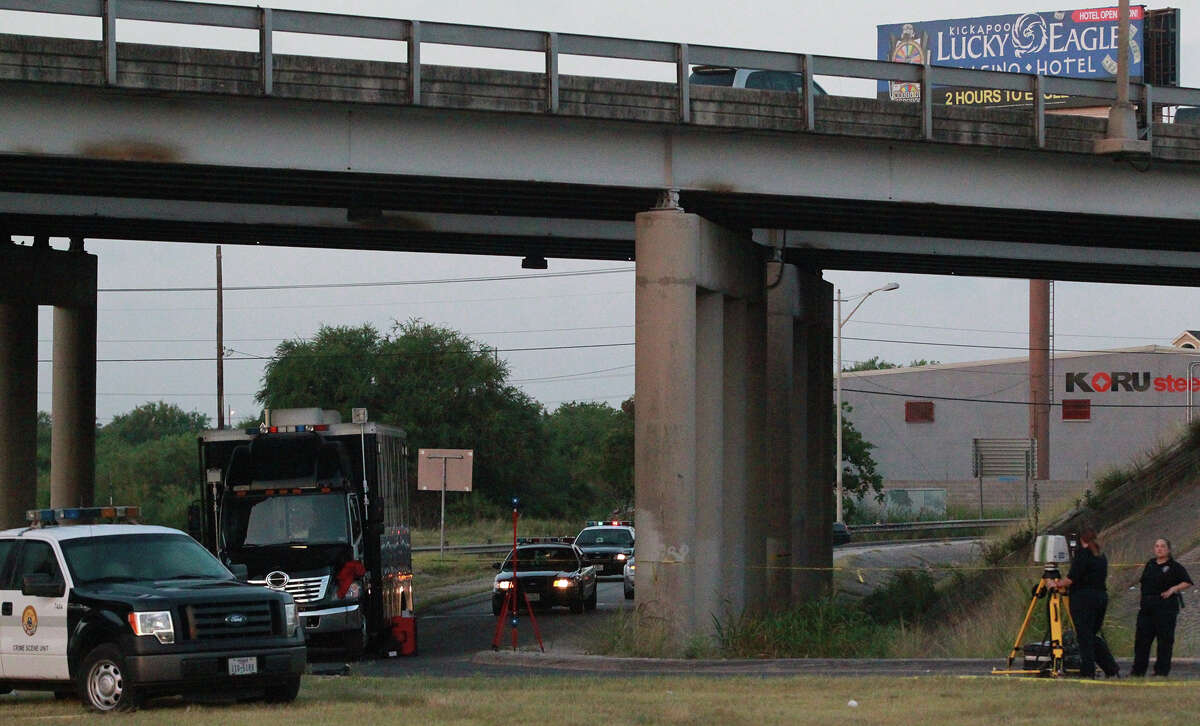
column 1074, row 43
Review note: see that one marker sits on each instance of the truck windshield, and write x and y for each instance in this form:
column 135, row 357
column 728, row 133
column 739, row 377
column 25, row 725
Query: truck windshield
column 280, row 520
column 129, row 557
column 617, row 537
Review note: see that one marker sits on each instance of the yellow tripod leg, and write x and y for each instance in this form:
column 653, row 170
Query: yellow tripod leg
column 1037, row 592
column 1056, row 634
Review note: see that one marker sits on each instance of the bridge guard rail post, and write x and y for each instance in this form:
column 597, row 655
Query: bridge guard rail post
column 551, row 72
column 109, row 38
column 806, row 88
column 681, row 75
column 266, row 56
column 926, row 101
column 1039, row 111
column 414, row 62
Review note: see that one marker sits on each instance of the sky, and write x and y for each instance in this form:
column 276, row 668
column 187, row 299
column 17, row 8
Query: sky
column 565, row 338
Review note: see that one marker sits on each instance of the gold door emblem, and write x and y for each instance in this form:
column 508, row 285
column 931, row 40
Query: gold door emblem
column 29, row 620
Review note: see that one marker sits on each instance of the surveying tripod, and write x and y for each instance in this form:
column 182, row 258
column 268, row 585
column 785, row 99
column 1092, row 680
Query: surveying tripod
column 1058, row 605
column 513, row 597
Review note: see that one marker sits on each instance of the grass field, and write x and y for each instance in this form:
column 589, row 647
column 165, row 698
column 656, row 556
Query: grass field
column 671, row 700
column 486, row 531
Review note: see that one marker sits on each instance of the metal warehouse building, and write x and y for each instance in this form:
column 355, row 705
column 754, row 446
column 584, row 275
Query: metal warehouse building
column 1108, row 408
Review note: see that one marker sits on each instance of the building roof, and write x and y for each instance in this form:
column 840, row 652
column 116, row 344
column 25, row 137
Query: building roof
column 1058, row 356
column 1189, row 339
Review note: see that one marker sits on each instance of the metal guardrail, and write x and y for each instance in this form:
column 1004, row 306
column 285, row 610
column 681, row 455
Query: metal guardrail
column 854, row 529
column 932, row 526
column 552, row 45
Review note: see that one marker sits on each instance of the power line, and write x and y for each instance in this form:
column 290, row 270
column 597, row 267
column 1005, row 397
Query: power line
column 923, row 397
column 392, row 283
column 313, row 306
column 1011, row 347
column 279, row 339
column 252, row 357
column 1006, row 332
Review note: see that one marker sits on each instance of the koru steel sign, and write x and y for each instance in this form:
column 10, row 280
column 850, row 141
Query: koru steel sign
column 1074, row 43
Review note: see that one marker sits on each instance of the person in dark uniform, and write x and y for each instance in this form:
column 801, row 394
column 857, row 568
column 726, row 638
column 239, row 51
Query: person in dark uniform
column 1089, row 601
column 1162, row 580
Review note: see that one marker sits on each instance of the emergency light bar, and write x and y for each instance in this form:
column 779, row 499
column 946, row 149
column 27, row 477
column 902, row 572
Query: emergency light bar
column 610, row 523
column 80, row 514
column 299, row 428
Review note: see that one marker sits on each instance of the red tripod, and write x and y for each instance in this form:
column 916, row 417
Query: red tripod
column 511, row 603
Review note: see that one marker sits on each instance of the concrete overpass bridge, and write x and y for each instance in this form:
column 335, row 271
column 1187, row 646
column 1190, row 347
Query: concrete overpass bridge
column 731, row 201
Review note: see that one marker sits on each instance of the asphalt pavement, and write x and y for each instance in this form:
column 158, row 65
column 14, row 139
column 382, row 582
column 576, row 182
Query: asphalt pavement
column 455, row 640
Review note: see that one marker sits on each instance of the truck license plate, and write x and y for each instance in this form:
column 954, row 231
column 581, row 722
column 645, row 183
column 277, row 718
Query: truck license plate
column 243, row 666
column 533, row 596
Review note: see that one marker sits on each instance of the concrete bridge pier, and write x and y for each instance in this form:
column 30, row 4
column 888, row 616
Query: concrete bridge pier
column 73, row 433
column 798, row 495
column 29, row 277
column 18, row 410
column 698, row 438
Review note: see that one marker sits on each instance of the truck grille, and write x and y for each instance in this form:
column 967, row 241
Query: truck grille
column 302, row 589
column 210, row 621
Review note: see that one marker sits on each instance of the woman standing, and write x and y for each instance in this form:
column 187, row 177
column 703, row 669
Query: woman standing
column 1089, row 601
column 1162, row 580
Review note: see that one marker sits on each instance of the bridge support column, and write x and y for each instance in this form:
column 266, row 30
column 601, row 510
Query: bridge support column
column 813, row 446
column 798, row 494
column 695, row 452
column 18, row 411
column 73, row 433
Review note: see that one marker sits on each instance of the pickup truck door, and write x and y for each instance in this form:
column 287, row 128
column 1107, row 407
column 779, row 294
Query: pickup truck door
column 7, row 548
column 33, row 630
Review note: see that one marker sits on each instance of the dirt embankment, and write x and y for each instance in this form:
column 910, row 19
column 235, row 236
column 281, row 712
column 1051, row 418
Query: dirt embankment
column 1129, row 543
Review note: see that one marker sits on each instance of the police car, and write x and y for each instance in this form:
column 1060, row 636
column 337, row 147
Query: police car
column 119, row 612
column 607, row 545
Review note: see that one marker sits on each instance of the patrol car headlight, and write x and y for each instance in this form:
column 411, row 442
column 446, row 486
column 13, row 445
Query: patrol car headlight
column 562, row 583
column 289, row 617
column 157, row 623
column 504, row 585
column 621, row 557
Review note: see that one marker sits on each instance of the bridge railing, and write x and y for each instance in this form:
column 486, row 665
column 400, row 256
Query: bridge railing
column 552, row 45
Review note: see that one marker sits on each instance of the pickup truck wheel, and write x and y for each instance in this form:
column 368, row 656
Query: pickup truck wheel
column 284, row 692
column 103, row 683
column 577, row 605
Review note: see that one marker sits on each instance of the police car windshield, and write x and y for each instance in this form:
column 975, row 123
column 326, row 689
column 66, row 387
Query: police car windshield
column 561, row 559
column 284, row 520
column 132, row 557
column 614, row 536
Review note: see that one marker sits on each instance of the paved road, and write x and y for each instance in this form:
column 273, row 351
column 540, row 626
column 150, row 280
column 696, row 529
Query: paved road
column 452, row 633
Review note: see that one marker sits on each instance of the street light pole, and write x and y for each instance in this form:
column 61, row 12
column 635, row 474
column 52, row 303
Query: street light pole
column 838, row 375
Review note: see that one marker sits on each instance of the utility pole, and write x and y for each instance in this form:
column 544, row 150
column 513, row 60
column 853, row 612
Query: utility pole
column 220, row 348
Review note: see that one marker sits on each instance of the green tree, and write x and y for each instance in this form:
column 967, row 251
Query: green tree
column 442, row 388
column 859, row 478
column 576, row 437
column 875, row 363
column 617, row 456
column 153, row 421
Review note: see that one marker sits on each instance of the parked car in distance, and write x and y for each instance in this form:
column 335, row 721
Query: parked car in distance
column 841, row 533
column 547, row 575
column 751, row 78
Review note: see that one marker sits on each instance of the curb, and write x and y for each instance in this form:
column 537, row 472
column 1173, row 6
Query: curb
column 1185, row 668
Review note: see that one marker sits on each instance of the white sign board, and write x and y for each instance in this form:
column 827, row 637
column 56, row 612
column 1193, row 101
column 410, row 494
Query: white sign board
column 457, row 463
